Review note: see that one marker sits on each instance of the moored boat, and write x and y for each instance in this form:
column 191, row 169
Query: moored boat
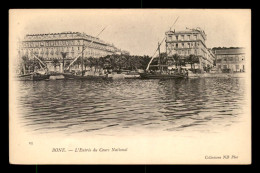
column 38, row 75
column 161, row 73
column 132, row 75
column 82, row 74
column 163, row 76
column 70, row 76
column 33, row 77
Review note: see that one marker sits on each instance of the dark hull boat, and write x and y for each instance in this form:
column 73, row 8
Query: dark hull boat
column 33, row 77
column 162, row 76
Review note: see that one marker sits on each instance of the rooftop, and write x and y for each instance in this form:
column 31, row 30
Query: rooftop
column 230, row 50
column 65, row 35
column 188, row 31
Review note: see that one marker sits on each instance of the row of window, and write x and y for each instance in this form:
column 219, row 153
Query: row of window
column 188, row 52
column 231, row 59
column 182, row 37
column 195, row 52
column 52, row 51
column 51, row 36
column 186, row 45
column 72, row 54
column 232, row 55
column 61, row 35
column 65, row 43
column 51, row 43
column 237, row 66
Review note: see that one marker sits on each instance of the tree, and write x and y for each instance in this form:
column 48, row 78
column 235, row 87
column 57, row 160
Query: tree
column 176, row 58
column 31, row 63
column 78, row 62
column 163, row 59
column 86, row 62
column 63, row 54
column 101, row 62
column 25, row 63
column 55, row 62
column 190, row 60
column 67, row 63
column 182, row 60
column 144, row 61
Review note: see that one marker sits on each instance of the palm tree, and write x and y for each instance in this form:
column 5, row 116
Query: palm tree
column 163, row 59
column 195, row 59
column 106, row 61
column 78, row 62
column 117, row 62
column 190, row 60
column 101, row 62
column 86, row 62
column 67, row 63
column 144, row 62
column 111, row 61
column 25, row 63
column 63, row 54
column 94, row 62
column 55, row 63
column 176, row 58
column 136, row 62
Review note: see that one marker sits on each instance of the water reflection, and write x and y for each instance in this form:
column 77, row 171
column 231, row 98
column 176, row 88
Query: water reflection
column 122, row 106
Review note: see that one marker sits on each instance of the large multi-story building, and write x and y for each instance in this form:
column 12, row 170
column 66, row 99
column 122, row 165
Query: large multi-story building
column 187, row 42
column 230, row 59
column 50, row 46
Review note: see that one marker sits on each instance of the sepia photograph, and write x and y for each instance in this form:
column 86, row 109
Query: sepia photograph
column 130, row 86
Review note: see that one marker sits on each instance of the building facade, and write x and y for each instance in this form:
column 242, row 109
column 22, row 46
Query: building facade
column 51, row 46
column 187, row 42
column 230, row 59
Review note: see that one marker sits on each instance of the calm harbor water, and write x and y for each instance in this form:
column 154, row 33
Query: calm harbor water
column 130, row 106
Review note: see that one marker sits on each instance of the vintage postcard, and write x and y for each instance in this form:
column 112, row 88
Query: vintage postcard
column 130, row 86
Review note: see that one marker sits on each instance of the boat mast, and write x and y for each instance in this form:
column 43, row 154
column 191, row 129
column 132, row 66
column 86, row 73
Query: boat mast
column 45, row 66
column 147, row 68
column 85, row 48
column 159, row 57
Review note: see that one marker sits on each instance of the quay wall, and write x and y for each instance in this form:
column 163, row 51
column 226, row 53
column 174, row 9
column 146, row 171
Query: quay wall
column 217, row 75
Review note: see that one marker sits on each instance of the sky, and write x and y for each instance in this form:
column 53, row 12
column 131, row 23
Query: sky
column 135, row 30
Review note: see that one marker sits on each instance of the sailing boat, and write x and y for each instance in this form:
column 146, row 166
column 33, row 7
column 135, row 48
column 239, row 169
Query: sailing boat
column 163, row 74
column 36, row 76
column 69, row 75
